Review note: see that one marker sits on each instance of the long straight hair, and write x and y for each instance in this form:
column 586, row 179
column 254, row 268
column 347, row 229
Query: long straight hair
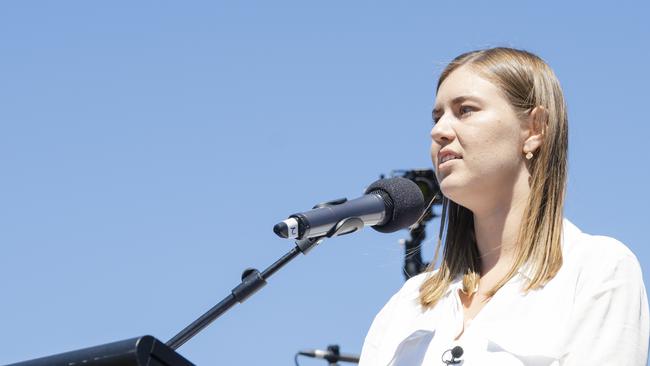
column 527, row 82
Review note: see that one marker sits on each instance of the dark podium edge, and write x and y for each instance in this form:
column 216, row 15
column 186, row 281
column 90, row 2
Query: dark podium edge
column 140, row 351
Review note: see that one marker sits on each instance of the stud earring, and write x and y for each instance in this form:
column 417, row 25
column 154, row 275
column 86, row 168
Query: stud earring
column 529, row 155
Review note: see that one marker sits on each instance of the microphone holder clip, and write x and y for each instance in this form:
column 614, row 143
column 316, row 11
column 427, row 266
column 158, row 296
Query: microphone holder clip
column 343, row 227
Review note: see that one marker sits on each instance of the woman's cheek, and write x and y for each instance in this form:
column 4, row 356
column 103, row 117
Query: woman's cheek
column 434, row 153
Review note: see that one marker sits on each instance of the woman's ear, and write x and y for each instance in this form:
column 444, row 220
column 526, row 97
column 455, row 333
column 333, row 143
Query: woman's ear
column 537, row 120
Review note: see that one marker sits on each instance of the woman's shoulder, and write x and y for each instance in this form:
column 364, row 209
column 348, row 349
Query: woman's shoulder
column 413, row 284
column 406, row 299
column 598, row 249
column 598, row 255
column 394, row 322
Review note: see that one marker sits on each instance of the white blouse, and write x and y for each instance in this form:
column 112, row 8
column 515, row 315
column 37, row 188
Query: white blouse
column 593, row 312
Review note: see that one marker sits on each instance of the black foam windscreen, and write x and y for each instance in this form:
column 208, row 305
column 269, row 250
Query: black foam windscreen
column 405, row 198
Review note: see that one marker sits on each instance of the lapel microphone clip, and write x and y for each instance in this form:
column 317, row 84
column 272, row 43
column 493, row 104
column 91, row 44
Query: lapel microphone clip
column 456, row 353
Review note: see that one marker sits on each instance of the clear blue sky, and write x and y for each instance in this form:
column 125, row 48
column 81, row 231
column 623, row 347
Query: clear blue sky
column 147, row 148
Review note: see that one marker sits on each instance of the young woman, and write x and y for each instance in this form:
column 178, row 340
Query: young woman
column 517, row 284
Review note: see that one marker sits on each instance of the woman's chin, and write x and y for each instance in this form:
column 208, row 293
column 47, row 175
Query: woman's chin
column 449, row 189
column 454, row 190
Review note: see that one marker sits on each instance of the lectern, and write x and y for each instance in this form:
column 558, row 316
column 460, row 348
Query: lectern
column 141, row 351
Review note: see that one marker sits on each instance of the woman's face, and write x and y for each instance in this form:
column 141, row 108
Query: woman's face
column 477, row 141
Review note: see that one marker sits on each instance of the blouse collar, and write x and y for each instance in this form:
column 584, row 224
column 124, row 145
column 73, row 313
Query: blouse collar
column 570, row 234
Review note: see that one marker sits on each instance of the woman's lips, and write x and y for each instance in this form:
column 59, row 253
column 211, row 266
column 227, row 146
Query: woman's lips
column 447, row 163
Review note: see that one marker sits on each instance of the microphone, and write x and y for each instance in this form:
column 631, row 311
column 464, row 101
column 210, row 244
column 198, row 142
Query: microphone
column 388, row 205
column 456, row 354
column 331, row 355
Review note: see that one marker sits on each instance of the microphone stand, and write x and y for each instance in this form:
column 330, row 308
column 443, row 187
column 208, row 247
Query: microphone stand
column 413, row 263
column 148, row 351
column 253, row 280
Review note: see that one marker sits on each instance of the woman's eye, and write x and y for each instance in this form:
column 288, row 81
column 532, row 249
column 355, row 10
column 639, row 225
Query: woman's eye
column 466, row 110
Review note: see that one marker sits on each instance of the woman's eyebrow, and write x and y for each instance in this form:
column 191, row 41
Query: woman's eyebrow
column 457, row 100
column 462, row 98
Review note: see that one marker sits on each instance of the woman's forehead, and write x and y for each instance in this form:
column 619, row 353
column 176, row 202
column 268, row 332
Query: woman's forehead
column 466, row 83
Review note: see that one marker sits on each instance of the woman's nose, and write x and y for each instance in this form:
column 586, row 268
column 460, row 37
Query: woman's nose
column 442, row 133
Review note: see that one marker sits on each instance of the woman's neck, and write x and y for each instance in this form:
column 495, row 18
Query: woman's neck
column 497, row 228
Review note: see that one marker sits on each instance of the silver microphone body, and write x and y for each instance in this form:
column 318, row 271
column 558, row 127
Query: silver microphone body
column 370, row 208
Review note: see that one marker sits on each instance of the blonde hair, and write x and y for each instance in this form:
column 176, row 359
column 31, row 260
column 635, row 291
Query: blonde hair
column 527, row 82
